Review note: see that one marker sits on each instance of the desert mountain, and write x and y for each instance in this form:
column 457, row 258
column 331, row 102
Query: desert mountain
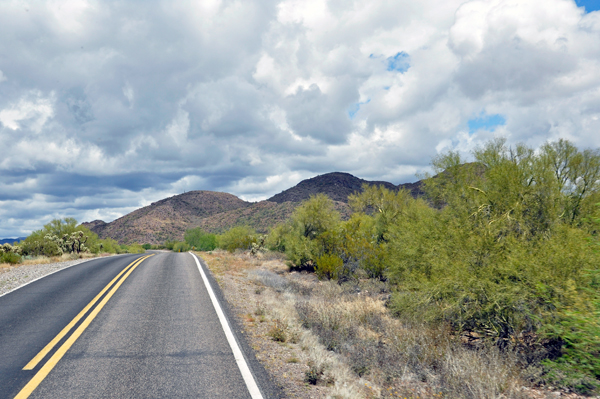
column 215, row 212
column 337, row 186
column 11, row 240
column 168, row 218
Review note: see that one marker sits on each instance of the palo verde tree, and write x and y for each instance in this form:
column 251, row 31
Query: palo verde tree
column 309, row 233
column 507, row 251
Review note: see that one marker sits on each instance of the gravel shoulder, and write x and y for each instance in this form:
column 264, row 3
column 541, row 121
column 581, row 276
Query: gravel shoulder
column 262, row 313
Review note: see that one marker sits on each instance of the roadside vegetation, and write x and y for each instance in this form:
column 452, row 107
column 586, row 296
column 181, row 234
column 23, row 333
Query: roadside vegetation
column 61, row 239
column 498, row 266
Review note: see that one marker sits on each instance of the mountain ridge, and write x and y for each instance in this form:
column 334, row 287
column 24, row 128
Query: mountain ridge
column 11, row 240
column 215, row 212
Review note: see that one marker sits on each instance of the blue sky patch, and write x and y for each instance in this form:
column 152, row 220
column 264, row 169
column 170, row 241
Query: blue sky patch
column 354, row 109
column 399, row 62
column 486, row 122
column 590, row 5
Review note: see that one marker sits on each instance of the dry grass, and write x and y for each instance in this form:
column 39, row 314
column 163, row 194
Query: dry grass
column 345, row 344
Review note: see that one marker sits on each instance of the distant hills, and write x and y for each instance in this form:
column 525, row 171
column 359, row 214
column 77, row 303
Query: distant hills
column 11, row 240
column 168, row 219
column 336, row 185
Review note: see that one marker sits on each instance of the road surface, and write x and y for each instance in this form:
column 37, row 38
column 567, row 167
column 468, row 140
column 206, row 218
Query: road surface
column 132, row 326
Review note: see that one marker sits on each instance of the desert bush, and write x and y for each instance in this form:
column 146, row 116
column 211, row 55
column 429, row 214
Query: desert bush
column 313, row 375
column 147, row 246
column 403, row 355
column 504, row 247
column 500, row 258
column 269, row 279
column 200, row 239
column 277, row 332
column 62, row 233
column 135, row 249
column 240, row 237
column 500, row 248
column 181, row 246
column 110, row 246
column 10, row 257
column 329, row 266
column 41, row 247
column 51, row 249
column 169, row 244
column 308, row 233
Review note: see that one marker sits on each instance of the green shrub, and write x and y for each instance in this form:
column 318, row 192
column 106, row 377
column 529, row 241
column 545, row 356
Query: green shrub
column 52, row 249
column 62, row 233
column 277, row 332
column 201, row 240
column 240, row 237
column 135, row 249
column 180, row 246
column 10, row 257
column 500, row 247
column 108, row 245
column 310, row 232
column 500, row 258
column 147, row 246
column 329, row 266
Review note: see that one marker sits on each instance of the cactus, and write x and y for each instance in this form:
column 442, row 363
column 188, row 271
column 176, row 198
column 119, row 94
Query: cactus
column 77, row 240
column 258, row 245
column 6, row 248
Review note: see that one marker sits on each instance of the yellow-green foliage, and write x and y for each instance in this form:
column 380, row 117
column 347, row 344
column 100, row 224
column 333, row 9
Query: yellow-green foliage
column 505, row 254
column 110, row 246
column 501, row 246
column 181, row 246
column 135, row 249
column 239, row 237
column 308, row 233
column 200, row 239
column 329, row 266
column 10, row 257
column 58, row 237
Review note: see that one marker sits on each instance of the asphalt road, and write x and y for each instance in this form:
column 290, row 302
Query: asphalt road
column 153, row 333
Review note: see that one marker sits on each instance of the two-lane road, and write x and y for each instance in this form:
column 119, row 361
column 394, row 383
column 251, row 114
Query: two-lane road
column 133, row 326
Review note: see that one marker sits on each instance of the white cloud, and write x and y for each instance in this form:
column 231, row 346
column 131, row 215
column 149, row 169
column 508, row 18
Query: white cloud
column 113, row 104
column 35, row 112
column 129, row 94
column 179, row 126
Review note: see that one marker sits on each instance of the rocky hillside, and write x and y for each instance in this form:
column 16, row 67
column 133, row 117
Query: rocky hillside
column 261, row 216
column 168, row 218
column 337, row 186
column 214, row 212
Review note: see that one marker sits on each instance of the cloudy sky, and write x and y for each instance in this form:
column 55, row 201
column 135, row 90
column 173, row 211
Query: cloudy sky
column 107, row 106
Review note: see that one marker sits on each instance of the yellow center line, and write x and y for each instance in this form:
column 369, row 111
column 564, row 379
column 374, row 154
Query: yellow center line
column 34, row 362
column 46, row 368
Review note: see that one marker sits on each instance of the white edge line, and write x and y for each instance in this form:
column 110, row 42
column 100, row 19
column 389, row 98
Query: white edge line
column 237, row 353
column 46, row 275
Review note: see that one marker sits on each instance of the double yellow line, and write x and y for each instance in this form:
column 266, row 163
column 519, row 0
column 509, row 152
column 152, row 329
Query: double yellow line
column 46, row 368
